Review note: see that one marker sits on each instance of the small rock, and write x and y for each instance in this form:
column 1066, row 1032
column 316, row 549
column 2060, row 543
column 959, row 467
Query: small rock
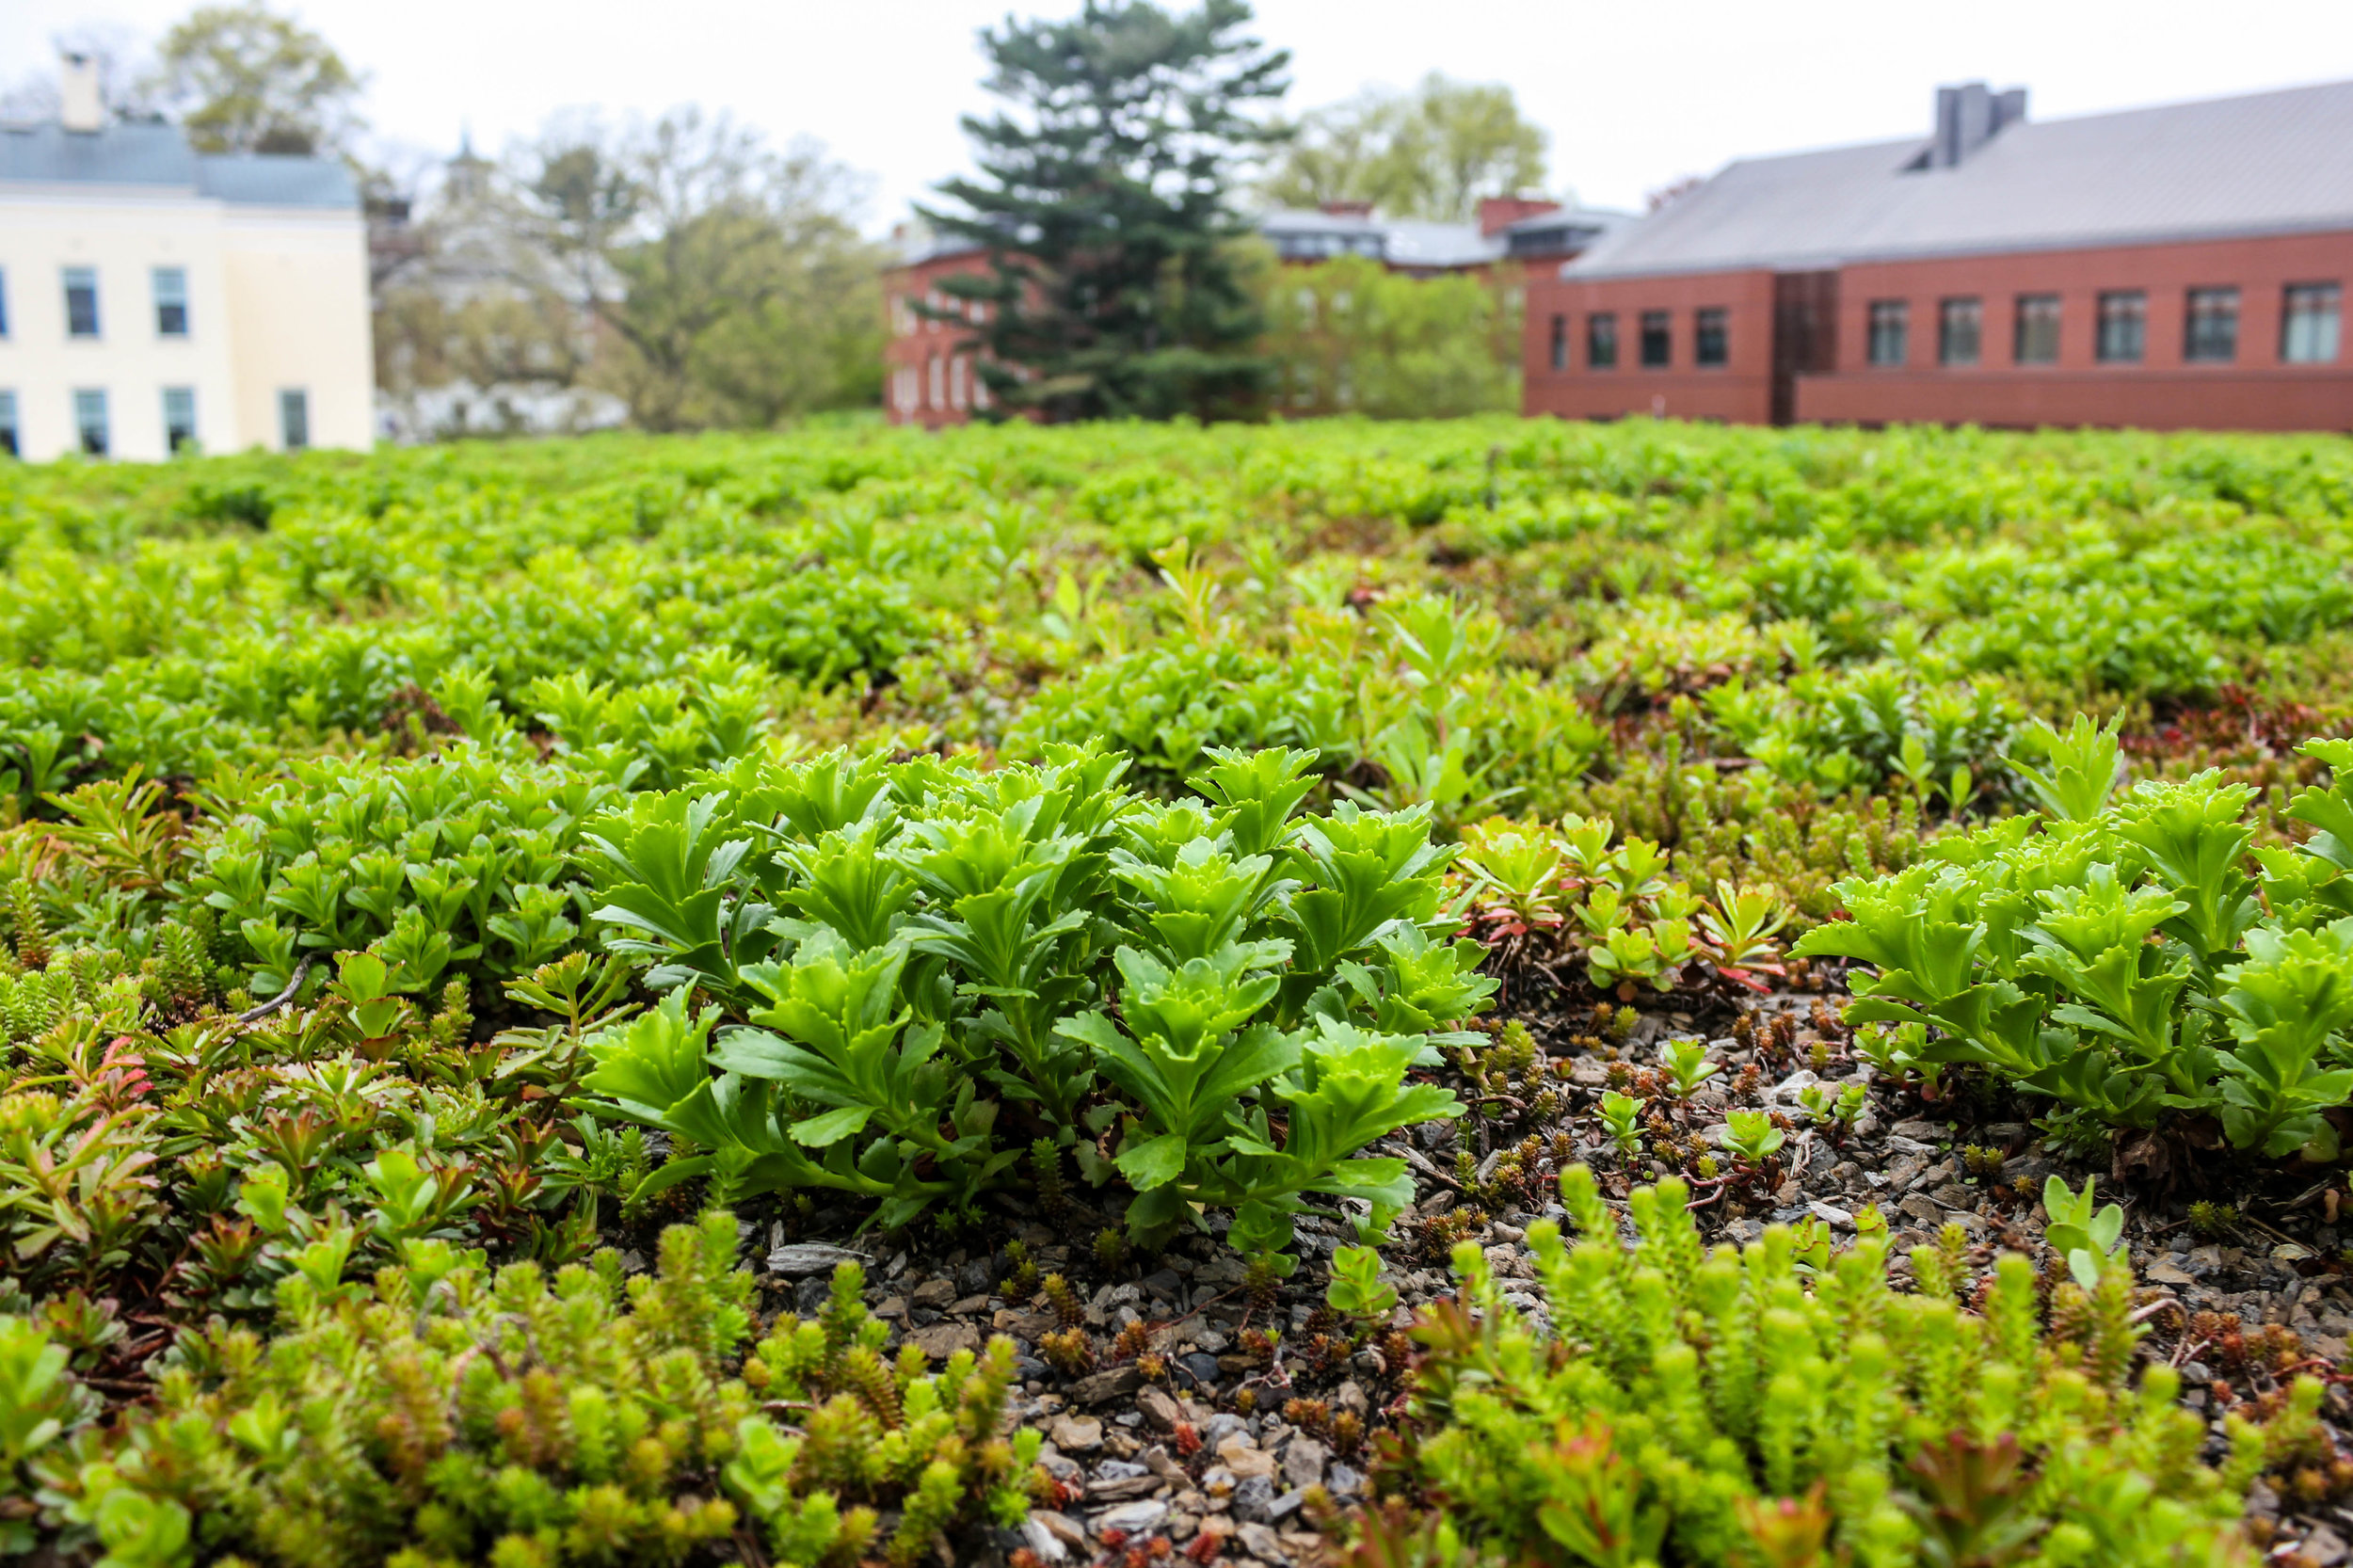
column 934, row 1293
column 2323, row 1546
column 1252, row 1497
column 1202, row 1365
column 967, row 1307
column 1129, row 1518
column 1123, row 1488
column 1246, row 1458
column 1343, row 1481
column 892, row 1306
column 1101, row 1386
column 2291, row 1251
column 1043, row 1541
column 1261, row 1542
column 1285, row 1506
column 1302, row 1463
column 1830, row 1214
column 1159, row 1409
column 632, row 1262
column 1062, row 1526
column 1350, row 1398
column 1076, row 1434
column 1155, row 1460
column 1927, row 1133
column 2166, row 1273
column 942, row 1340
column 803, row 1258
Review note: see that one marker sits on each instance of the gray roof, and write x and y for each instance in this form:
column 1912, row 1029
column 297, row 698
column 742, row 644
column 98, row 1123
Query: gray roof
column 151, row 153
column 2267, row 163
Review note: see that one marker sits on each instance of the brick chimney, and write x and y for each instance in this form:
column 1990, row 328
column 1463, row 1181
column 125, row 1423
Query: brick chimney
column 1498, row 213
column 1968, row 116
column 81, row 107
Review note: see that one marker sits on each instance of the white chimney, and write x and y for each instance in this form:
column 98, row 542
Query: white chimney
column 80, row 105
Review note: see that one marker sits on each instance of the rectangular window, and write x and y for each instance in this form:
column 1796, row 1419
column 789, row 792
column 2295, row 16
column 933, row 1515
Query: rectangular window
column 294, row 419
column 2308, row 323
column 1711, row 336
column 1601, row 340
column 3, row 302
column 179, row 417
column 1560, row 343
column 2210, row 326
column 171, row 302
column 80, row 302
column 1658, row 340
column 89, row 421
column 1890, row 337
column 2036, row 337
column 2124, row 327
column 1959, row 331
column 7, row 423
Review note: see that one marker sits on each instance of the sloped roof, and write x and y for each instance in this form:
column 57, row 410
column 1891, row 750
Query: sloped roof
column 2266, row 162
column 152, row 153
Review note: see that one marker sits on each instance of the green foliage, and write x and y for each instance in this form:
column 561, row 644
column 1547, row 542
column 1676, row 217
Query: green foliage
column 1765, row 1406
column 1349, row 336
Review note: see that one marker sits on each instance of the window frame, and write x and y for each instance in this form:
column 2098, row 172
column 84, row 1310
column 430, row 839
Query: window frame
column 82, row 279
column 85, row 400
column 174, row 437
column 2120, row 334
column 2330, row 293
column 1887, row 326
column 4, row 303
column 1601, row 340
column 2028, row 310
column 1558, row 343
column 1951, row 312
column 2197, row 349
column 166, row 303
column 1718, row 319
column 11, row 437
column 294, row 419
column 1655, row 326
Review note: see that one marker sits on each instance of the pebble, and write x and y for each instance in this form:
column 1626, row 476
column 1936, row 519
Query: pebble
column 1159, row 1409
column 803, row 1258
column 1100, row 1387
column 1253, row 1495
column 1130, row 1518
column 942, row 1340
column 1076, row 1434
column 1302, row 1463
column 1259, row 1541
column 1202, row 1365
column 1246, row 1458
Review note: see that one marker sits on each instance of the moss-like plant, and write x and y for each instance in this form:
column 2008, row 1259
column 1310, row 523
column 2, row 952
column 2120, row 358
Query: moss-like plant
column 1780, row 1405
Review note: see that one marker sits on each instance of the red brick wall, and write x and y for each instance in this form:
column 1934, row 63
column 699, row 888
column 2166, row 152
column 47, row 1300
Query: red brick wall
column 2255, row 391
column 927, row 373
column 1740, row 390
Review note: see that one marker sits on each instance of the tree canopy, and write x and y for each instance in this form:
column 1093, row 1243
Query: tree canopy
column 244, row 79
column 1432, row 153
column 1103, row 203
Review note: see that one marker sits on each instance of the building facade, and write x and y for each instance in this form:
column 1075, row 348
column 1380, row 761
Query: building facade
column 2176, row 268
column 153, row 298
column 928, row 371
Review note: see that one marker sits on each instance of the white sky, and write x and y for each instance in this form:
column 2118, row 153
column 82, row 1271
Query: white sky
column 1633, row 95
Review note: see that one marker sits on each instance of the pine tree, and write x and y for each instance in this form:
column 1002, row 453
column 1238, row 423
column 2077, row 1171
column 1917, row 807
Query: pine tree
column 1114, row 288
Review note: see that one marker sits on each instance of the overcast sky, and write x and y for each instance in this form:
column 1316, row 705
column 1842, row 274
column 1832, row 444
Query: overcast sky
column 1634, row 95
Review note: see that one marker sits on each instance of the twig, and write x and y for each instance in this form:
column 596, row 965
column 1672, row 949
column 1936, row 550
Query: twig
column 255, row 1015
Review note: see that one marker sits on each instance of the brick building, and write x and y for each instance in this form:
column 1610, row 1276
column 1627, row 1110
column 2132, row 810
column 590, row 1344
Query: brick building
column 928, row 378
column 2180, row 267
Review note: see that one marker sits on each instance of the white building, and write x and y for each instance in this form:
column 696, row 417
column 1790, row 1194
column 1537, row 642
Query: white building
column 151, row 297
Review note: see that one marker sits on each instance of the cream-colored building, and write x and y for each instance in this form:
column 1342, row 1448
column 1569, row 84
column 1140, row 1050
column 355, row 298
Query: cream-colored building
column 151, row 297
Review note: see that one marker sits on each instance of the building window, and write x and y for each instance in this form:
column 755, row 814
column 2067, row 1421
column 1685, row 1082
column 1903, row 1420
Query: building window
column 7, row 424
column 2036, row 338
column 3, row 302
column 1601, row 340
column 980, row 387
column 1890, row 337
column 89, row 421
column 294, row 419
column 1658, row 340
column 80, row 302
column 179, row 417
column 2210, row 326
column 1959, row 331
column 1560, row 343
column 171, row 302
column 956, row 382
column 2308, row 324
column 1711, row 336
column 938, row 383
column 2124, row 327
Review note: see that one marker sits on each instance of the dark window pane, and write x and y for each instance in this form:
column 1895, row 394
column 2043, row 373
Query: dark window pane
column 2124, row 327
column 7, row 423
column 1657, row 339
column 1601, row 340
column 1560, row 343
column 2036, row 338
column 1959, row 331
column 294, row 417
column 1891, row 331
column 2209, row 326
column 171, row 302
column 89, row 421
column 1710, row 337
column 80, row 302
column 179, row 417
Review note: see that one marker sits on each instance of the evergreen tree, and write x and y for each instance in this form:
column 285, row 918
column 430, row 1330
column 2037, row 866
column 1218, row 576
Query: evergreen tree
column 1114, row 290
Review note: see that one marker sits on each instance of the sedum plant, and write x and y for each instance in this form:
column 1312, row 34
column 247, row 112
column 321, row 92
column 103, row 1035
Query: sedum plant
column 2132, row 958
column 1208, row 1000
column 1782, row 1405
column 446, row 1413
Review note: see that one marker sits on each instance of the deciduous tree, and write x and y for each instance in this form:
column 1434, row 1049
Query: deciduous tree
column 244, row 79
column 1432, row 153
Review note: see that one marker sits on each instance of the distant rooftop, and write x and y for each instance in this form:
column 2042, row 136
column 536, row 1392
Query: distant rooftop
column 2263, row 164
column 152, row 154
